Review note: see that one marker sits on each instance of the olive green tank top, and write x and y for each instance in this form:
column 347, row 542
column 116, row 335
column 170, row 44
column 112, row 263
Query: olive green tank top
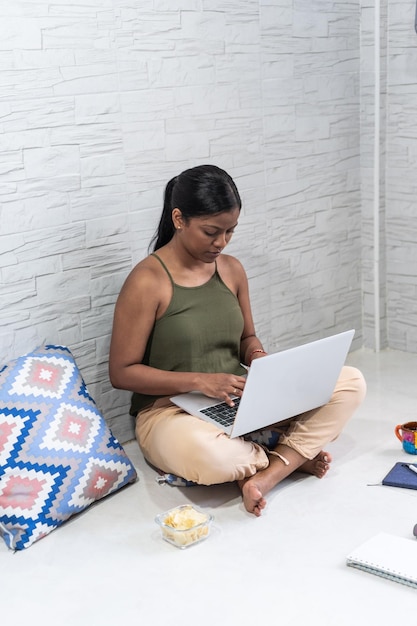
column 199, row 332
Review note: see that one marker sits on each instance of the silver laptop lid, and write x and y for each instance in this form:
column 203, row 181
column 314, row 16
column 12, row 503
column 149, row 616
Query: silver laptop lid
column 291, row 382
column 282, row 385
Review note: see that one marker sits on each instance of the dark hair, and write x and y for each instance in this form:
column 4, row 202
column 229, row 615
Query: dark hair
column 198, row 191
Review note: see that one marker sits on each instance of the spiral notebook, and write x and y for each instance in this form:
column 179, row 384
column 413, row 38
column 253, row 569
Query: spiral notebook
column 387, row 556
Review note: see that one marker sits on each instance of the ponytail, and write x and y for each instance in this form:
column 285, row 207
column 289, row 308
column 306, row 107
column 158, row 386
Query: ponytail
column 165, row 230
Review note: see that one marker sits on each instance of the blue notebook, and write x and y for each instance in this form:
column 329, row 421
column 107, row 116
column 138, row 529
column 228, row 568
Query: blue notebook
column 401, row 476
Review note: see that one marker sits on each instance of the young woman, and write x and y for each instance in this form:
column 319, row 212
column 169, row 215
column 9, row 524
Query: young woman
column 182, row 323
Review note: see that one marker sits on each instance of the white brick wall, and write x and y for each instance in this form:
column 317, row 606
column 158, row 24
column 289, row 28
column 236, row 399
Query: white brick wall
column 401, row 181
column 397, row 187
column 368, row 191
column 101, row 103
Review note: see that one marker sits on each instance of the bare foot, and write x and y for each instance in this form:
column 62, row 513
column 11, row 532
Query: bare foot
column 252, row 497
column 317, row 466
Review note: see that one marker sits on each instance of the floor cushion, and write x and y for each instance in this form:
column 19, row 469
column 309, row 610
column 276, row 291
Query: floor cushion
column 57, row 454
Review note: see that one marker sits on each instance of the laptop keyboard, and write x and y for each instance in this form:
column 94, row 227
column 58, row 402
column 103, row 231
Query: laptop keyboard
column 222, row 413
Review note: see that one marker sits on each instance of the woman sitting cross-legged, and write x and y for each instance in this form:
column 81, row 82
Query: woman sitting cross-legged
column 183, row 322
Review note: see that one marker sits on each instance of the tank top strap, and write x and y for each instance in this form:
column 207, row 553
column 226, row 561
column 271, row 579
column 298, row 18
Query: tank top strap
column 164, row 266
column 216, row 273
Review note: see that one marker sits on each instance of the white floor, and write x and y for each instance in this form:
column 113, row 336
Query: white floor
column 110, row 566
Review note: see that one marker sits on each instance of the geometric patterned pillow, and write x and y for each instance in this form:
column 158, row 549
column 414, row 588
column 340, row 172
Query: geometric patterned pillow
column 57, row 454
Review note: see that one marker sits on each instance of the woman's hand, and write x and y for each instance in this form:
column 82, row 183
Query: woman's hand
column 222, row 386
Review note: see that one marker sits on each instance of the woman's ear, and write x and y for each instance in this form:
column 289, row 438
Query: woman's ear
column 177, row 218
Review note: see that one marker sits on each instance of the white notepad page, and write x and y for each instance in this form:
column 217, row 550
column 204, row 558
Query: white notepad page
column 387, row 556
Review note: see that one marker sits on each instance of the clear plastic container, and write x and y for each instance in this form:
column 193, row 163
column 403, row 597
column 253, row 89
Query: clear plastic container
column 184, row 526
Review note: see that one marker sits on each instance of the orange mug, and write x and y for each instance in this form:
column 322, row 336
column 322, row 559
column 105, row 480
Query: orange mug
column 407, row 434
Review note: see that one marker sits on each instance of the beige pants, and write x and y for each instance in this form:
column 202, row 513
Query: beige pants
column 181, row 444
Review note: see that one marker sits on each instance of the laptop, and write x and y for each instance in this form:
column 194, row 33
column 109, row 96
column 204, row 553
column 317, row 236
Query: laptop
column 278, row 386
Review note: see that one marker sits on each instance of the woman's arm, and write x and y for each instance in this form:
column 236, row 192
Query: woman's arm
column 134, row 316
column 235, row 277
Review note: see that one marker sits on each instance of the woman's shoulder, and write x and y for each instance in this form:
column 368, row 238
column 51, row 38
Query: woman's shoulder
column 147, row 266
column 147, row 272
column 230, row 263
column 231, row 272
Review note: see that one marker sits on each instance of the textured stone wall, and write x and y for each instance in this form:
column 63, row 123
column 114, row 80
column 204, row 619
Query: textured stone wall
column 373, row 138
column 396, row 192
column 401, row 177
column 102, row 102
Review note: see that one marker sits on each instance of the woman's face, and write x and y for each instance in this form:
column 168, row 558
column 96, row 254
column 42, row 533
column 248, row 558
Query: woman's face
column 204, row 238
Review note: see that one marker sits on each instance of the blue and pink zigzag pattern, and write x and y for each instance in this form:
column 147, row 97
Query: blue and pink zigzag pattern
column 57, row 454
